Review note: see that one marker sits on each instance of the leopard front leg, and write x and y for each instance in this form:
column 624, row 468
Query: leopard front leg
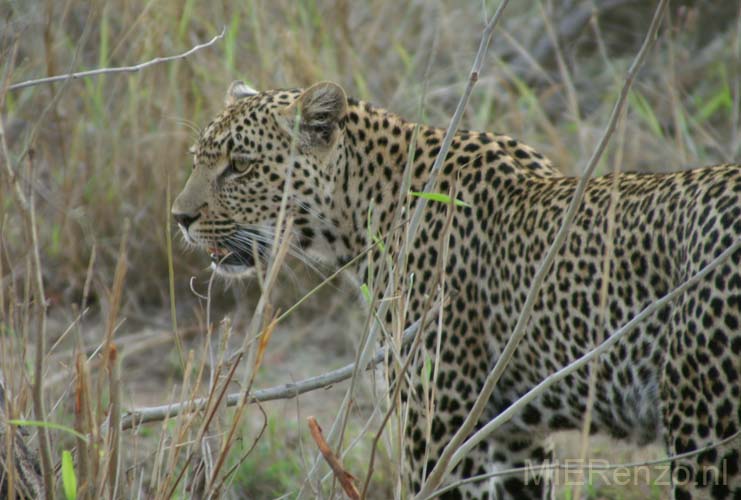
column 523, row 451
column 421, row 458
column 463, row 368
column 491, row 460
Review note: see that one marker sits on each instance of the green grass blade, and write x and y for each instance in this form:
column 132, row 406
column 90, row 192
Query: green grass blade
column 442, row 198
column 69, row 479
column 366, row 293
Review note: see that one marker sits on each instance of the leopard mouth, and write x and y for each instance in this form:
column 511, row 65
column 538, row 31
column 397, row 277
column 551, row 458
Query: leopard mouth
column 234, row 262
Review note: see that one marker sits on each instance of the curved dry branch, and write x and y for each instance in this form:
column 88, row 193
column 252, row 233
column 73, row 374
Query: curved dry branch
column 119, row 69
column 139, row 416
column 346, row 479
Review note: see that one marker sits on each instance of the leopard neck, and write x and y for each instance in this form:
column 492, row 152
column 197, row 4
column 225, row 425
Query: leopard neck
column 371, row 162
column 373, row 155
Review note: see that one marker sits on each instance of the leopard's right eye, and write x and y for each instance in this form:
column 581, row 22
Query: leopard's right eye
column 232, row 169
column 237, row 167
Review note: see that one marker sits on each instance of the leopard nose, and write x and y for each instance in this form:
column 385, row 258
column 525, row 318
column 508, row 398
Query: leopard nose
column 184, row 219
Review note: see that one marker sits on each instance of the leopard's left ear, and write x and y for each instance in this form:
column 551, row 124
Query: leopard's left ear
column 236, row 91
column 319, row 110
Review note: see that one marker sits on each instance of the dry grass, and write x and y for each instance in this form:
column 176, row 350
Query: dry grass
column 106, row 151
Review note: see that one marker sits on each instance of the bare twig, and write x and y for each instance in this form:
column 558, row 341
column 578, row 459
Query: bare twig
column 83, row 424
column 114, row 441
column 47, row 467
column 397, row 391
column 346, row 479
column 169, row 475
column 228, row 474
column 119, row 69
column 601, row 310
column 207, row 422
column 473, row 77
column 286, row 391
column 264, row 338
column 443, row 464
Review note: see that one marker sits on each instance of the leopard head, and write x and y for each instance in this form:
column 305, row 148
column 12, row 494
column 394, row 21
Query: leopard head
column 265, row 151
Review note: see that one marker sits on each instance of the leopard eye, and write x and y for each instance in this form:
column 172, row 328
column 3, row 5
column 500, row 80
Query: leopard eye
column 237, row 167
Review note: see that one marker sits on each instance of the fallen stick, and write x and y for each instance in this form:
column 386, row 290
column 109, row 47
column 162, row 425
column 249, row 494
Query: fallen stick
column 347, row 480
column 138, row 416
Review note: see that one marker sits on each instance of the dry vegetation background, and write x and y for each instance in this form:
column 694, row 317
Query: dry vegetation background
column 99, row 156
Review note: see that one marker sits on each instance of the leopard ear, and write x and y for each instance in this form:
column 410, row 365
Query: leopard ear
column 320, row 109
column 236, row 91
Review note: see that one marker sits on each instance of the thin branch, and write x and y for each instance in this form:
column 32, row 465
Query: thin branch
column 539, row 389
column 219, row 487
column 443, row 464
column 602, row 309
column 139, row 416
column 119, row 69
column 397, row 390
column 47, row 466
column 346, row 479
column 457, row 116
column 114, row 441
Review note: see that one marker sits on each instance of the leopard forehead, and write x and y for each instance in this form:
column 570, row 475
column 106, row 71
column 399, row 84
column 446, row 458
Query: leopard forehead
column 242, row 127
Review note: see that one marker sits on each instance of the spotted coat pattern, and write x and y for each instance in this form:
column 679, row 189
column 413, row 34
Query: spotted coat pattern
column 676, row 378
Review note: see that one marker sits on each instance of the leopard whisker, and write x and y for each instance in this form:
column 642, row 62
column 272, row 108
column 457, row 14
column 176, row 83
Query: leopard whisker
column 266, row 237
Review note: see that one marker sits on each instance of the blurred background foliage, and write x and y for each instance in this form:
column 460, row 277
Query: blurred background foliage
column 106, row 148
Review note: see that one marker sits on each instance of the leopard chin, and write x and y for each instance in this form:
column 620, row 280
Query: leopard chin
column 239, row 271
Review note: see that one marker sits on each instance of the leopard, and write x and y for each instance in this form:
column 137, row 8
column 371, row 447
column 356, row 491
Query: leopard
column 344, row 172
